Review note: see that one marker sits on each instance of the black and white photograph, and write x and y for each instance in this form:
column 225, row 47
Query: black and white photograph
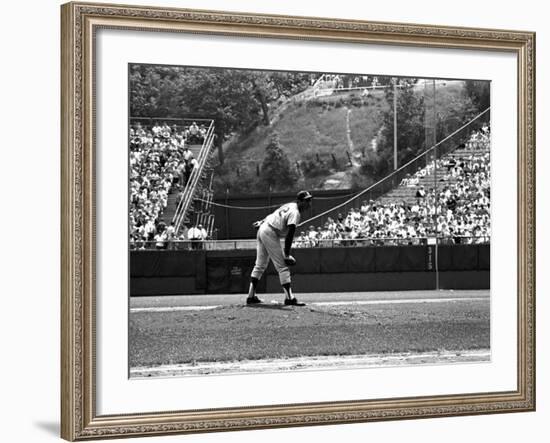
column 291, row 221
column 275, row 221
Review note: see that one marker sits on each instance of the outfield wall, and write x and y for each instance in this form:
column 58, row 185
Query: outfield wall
column 318, row 270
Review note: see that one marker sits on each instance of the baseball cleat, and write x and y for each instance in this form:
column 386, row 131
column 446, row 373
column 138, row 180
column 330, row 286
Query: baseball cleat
column 253, row 300
column 293, row 302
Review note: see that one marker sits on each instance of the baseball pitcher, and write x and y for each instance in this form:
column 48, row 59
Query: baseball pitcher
column 276, row 226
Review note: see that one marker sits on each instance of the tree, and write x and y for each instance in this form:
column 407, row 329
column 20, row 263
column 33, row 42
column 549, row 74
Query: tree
column 237, row 99
column 459, row 111
column 276, row 172
column 480, row 93
column 410, row 126
column 269, row 87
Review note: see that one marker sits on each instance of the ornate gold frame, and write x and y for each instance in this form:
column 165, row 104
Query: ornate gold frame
column 79, row 420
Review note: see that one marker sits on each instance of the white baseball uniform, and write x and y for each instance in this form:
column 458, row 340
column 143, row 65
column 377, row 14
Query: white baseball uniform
column 268, row 241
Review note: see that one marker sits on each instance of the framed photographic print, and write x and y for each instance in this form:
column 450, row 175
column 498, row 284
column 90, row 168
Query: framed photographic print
column 277, row 221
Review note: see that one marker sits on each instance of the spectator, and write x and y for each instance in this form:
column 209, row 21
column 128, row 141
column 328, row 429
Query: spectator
column 150, row 230
column 193, row 163
column 156, row 129
column 204, row 234
column 187, row 154
column 161, row 239
column 202, row 133
column 451, row 164
column 156, row 163
column 187, row 166
column 421, row 192
column 195, row 237
column 170, row 234
column 194, row 133
column 166, row 131
column 460, row 211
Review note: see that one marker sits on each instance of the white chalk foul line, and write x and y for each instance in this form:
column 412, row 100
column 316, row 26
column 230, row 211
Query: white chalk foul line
column 312, row 363
column 326, row 303
column 398, row 302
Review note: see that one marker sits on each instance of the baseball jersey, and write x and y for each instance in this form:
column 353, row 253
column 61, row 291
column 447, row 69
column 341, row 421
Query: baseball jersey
column 283, row 217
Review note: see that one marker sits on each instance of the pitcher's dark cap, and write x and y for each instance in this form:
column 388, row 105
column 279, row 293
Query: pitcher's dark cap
column 304, row 196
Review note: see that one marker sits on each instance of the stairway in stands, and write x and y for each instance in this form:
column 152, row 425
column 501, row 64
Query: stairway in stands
column 407, row 193
column 193, row 204
column 172, row 203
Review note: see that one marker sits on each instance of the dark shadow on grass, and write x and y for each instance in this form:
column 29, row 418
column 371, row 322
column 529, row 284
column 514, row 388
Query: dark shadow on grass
column 49, row 427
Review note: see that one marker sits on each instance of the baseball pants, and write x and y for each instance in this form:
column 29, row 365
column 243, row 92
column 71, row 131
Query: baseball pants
column 268, row 246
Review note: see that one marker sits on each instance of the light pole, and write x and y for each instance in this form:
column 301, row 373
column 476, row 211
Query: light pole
column 394, row 124
column 434, row 143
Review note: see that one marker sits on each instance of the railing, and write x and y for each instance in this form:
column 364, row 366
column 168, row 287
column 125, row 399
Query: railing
column 180, row 123
column 185, row 202
column 392, row 181
column 202, row 215
column 179, row 245
column 250, row 244
column 393, row 241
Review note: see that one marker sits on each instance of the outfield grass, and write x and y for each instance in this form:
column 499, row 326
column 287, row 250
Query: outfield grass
column 238, row 332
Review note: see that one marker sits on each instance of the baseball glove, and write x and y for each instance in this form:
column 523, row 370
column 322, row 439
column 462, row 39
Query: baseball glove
column 290, row 260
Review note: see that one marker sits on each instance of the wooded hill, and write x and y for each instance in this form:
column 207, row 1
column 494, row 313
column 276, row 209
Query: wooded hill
column 274, row 133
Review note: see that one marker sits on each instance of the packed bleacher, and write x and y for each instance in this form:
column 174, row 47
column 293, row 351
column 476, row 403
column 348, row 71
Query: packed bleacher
column 160, row 163
column 453, row 205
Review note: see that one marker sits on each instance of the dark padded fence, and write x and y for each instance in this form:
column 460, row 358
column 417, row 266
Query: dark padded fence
column 458, row 257
column 166, row 263
column 229, row 274
column 362, row 260
column 484, row 257
column 199, row 272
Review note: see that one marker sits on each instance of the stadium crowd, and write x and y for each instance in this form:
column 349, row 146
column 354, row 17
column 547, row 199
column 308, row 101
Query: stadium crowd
column 457, row 210
column 159, row 161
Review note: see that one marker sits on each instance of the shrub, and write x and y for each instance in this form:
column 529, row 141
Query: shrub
column 276, row 172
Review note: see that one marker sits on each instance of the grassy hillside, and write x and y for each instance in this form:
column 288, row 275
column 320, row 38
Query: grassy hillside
column 365, row 122
column 309, row 128
column 313, row 135
column 320, row 136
